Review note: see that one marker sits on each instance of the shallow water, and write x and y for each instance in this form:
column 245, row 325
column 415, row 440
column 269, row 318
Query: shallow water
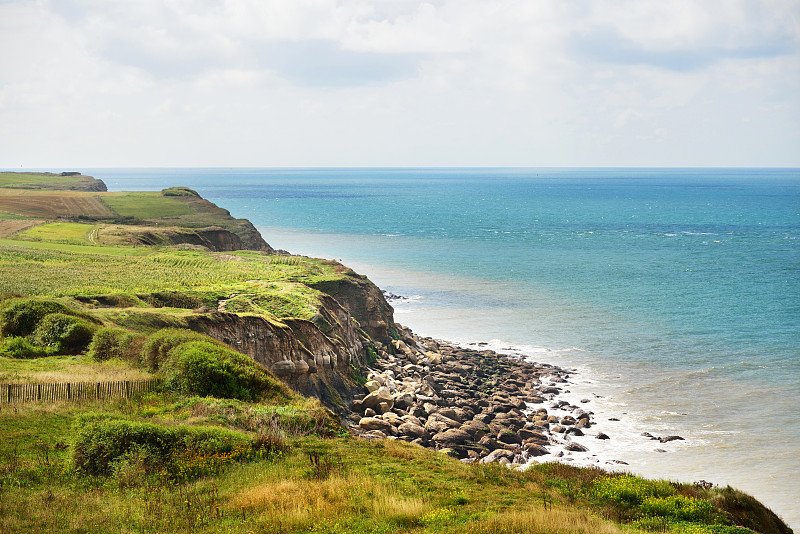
column 676, row 293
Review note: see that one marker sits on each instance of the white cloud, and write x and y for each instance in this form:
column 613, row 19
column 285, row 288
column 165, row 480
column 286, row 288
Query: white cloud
column 368, row 82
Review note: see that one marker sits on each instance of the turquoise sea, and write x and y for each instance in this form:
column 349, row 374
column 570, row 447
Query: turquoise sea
column 674, row 292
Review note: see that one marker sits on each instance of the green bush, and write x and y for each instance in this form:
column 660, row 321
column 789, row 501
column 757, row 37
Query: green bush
column 159, row 344
column 630, row 489
column 20, row 317
column 678, row 507
column 104, row 444
column 64, row 334
column 208, row 368
column 22, row 349
column 110, row 343
column 171, row 299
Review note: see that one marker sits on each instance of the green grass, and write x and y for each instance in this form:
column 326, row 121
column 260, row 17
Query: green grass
column 145, row 205
column 68, row 233
column 258, row 284
column 5, row 216
column 10, row 179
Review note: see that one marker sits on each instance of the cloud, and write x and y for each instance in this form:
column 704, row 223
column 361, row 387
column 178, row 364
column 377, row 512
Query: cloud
column 605, row 44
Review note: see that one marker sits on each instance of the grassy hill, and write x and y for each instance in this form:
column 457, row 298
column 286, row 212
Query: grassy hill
column 222, row 445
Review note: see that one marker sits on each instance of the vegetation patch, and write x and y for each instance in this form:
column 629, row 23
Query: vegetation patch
column 145, row 205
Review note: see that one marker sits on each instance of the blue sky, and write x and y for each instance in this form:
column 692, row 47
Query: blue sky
column 98, row 83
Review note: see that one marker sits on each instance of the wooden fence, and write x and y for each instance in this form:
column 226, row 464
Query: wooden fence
column 69, row 391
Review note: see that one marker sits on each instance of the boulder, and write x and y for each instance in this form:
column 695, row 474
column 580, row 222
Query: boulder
column 534, row 449
column 373, row 423
column 451, row 437
column 509, row 437
column 412, row 430
column 667, row 439
column 576, row 447
column 496, row 455
column 376, row 398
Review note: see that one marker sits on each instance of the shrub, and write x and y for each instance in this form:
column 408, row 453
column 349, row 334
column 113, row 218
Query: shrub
column 678, row 507
column 158, row 345
column 21, row 348
column 630, row 489
column 20, row 317
column 104, row 444
column 179, row 192
column 207, row 368
column 99, row 441
column 110, row 343
column 64, row 334
column 171, row 299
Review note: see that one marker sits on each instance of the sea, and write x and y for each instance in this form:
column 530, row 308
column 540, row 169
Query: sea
column 674, row 294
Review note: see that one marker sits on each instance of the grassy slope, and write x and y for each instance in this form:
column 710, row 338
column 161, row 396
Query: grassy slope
column 319, row 484
column 37, row 196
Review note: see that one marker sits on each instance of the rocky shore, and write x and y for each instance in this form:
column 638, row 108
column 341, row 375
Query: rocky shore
column 476, row 405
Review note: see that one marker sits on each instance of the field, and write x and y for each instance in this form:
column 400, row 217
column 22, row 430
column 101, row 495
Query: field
column 38, row 180
column 70, row 233
column 145, row 205
column 53, row 205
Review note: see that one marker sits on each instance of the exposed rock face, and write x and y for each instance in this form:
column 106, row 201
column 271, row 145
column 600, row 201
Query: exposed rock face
column 363, row 300
column 297, row 351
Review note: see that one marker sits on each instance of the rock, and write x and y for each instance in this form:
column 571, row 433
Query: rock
column 372, row 385
column 509, row 437
column 602, row 436
column 575, row 447
column 404, row 399
column 373, row 423
column 381, row 396
column 575, row 431
column 568, row 420
column 369, row 412
column 497, row 455
column 526, row 435
column 534, row 449
column 412, row 430
column 667, row 439
column 451, row 437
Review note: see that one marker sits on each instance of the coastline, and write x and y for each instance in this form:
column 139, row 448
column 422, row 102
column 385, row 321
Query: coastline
column 480, row 405
column 717, row 449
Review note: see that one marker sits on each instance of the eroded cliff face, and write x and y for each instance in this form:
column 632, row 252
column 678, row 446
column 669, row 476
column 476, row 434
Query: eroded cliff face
column 363, row 300
column 316, row 357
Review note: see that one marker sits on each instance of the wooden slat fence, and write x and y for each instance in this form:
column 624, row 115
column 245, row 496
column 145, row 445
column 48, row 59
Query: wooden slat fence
column 69, row 391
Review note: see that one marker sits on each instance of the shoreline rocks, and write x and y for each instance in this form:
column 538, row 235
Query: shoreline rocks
column 476, row 405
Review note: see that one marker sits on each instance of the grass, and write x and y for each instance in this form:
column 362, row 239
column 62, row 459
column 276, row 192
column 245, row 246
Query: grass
column 68, row 233
column 145, row 205
column 20, row 179
column 67, row 369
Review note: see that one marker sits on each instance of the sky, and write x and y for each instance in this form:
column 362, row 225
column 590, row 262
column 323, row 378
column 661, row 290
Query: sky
column 308, row 83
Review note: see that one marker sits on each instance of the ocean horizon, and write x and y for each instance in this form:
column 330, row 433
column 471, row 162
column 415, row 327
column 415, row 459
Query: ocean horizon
column 674, row 293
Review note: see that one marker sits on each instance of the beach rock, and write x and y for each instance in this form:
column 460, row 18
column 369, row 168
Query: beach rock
column 412, row 430
column 667, row 439
column 382, row 396
column 575, row 447
column 497, row 455
column 509, row 437
column 369, row 412
column 534, row 449
column 602, row 436
column 373, row 423
column 451, row 437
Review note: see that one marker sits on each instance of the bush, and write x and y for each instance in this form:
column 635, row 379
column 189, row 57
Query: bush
column 62, row 333
column 158, row 345
column 171, row 299
column 20, row 317
column 678, row 507
column 207, row 368
column 630, row 489
column 110, row 343
column 21, row 348
column 104, row 444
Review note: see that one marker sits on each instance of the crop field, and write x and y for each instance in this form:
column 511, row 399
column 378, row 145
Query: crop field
column 71, row 233
column 256, row 283
column 52, row 205
column 145, row 205
column 16, row 179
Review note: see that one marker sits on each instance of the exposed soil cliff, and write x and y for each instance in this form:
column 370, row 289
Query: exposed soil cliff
column 316, row 357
